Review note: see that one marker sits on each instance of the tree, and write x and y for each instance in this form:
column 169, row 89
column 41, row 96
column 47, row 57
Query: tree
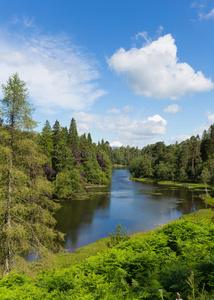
column 62, row 157
column 205, row 177
column 141, row 167
column 73, row 134
column 46, row 140
column 26, row 212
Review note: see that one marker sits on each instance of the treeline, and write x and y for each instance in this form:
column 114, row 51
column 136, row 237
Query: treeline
column 73, row 161
column 190, row 160
column 124, row 155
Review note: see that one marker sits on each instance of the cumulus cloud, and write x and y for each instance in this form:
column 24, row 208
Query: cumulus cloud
column 154, row 70
column 172, row 109
column 57, row 73
column 124, row 129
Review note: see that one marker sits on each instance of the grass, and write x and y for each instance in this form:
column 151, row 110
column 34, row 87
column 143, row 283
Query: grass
column 208, row 199
column 65, row 260
column 200, row 215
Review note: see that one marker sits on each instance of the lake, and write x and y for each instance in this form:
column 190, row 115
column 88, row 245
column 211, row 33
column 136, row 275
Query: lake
column 137, row 206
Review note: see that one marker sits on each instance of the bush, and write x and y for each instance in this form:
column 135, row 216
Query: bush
column 121, row 235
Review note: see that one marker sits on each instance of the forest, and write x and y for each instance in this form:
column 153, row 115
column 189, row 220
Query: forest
column 189, row 161
column 175, row 261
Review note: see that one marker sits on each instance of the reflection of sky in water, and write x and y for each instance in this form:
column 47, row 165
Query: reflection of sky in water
column 85, row 221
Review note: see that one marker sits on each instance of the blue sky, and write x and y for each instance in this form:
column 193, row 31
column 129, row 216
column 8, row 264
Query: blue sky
column 133, row 72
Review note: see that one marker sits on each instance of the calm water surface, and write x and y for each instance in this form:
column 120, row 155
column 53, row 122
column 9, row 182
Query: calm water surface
column 137, row 206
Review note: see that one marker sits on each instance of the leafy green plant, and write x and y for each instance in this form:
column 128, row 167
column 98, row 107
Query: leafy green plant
column 120, row 235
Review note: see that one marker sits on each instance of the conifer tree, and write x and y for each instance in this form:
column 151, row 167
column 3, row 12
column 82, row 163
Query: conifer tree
column 73, row 134
column 46, row 140
column 25, row 210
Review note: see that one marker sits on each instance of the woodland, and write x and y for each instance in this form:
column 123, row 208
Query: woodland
column 189, row 161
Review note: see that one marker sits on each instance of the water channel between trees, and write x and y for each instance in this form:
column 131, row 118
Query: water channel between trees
column 137, row 206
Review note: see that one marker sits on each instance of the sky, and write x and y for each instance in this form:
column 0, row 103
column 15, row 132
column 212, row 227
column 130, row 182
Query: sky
column 133, row 72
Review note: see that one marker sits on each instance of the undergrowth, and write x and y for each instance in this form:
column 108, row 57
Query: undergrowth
column 138, row 268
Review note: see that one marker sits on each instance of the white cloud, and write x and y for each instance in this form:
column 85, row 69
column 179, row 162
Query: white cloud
column 154, row 71
column 210, row 117
column 116, row 144
column 128, row 108
column 197, row 131
column 172, row 109
column 179, row 138
column 208, row 16
column 57, row 74
column 124, row 129
column 144, row 35
column 205, row 126
column 160, row 29
column 113, row 111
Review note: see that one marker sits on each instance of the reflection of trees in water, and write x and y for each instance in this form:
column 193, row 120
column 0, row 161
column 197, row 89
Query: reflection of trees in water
column 75, row 213
column 187, row 201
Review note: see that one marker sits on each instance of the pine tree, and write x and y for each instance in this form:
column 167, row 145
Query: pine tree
column 89, row 139
column 46, row 139
column 25, row 210
column 73, row 134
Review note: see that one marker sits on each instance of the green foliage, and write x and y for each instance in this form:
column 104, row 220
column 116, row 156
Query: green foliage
column 73, row 134
column 75, row 160
column 155, row 266
column 120, row 235
column 142, row 167
column 15, row 108
column 26, row 212
column 46, row 140
column 190, row 161
column 68, row 183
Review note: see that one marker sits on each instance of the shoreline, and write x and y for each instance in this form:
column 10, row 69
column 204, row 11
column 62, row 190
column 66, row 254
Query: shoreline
column 194, row 187
column 100, row 246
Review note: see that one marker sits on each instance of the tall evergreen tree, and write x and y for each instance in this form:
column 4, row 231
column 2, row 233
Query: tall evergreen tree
column 46, row 139
column 25, row 210
column 73, row 134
